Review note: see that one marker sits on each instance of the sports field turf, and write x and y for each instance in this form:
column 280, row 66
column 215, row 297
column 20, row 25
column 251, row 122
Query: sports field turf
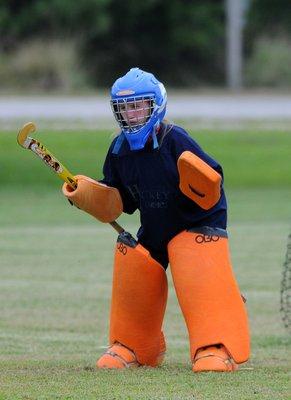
column 56, row 266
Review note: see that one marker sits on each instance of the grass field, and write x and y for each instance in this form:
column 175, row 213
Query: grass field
column 56, row 266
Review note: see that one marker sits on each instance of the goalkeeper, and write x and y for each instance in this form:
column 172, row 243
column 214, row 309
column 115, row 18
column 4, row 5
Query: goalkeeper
column 155, row 167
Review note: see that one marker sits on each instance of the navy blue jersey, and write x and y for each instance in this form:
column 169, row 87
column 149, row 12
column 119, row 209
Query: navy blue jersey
column 148, row 180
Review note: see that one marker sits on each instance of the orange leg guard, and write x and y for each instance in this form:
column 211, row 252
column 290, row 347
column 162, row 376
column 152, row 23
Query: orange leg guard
column 139, row 295
column 209, row 298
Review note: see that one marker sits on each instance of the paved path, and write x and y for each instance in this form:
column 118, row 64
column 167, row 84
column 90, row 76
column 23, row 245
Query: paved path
column 203, row 107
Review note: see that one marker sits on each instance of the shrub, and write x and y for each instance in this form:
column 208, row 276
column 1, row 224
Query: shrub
column 42, row 65
column 269, row 63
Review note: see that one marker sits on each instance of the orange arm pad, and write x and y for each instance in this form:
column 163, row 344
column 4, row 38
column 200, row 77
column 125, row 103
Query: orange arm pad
column 101, row 201
column 198, row 180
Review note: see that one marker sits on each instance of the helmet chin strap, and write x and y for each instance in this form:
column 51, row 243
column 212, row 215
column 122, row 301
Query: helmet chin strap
column 118, row 143
column 156, row 129
column 152, row 137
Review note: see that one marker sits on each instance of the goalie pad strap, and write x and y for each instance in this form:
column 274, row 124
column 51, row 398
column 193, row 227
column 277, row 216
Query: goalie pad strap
column 198, row 180
column 95, row 198
column 209, row 231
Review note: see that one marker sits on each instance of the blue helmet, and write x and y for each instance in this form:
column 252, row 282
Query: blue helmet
column 138, row 91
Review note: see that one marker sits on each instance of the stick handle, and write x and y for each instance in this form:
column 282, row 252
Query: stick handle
column 51, row 161
column 115, row 225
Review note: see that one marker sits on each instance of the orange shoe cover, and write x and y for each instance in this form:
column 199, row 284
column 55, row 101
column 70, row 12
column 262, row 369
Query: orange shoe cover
column 139, row 295
column 117, row 357
column 213, row 358
column 208, row 293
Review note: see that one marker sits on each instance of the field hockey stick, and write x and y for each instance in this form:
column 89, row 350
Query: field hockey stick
column 50, row 160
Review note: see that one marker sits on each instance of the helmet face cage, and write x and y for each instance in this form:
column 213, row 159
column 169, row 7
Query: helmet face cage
column 132, row 113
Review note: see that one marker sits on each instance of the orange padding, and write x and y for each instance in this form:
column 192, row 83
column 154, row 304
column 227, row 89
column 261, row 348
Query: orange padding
column 139, row 295
column 198, row 180
column 209, row 295
column 101, row 201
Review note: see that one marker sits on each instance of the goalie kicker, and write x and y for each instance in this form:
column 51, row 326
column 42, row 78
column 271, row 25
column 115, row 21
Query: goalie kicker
column 155, row 167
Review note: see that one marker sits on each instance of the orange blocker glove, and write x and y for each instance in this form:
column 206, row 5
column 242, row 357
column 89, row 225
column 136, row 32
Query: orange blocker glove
column 198, row 180
column 101, row 201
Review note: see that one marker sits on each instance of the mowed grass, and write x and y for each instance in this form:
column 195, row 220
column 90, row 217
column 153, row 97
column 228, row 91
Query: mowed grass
column 56, row 267
column 250, row 159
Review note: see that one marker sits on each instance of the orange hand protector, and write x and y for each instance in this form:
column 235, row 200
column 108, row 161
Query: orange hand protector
column 208, row 294
column 101, row 201
column 198, row 180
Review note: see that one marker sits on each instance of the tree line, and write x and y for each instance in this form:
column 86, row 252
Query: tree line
column 182, row 41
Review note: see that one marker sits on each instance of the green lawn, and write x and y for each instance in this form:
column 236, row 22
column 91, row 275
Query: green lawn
column 56, row 266
column 250, row 159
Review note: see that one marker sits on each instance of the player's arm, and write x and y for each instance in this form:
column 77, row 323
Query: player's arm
column 198, row 180
column 97, row 199
column 103, row 200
